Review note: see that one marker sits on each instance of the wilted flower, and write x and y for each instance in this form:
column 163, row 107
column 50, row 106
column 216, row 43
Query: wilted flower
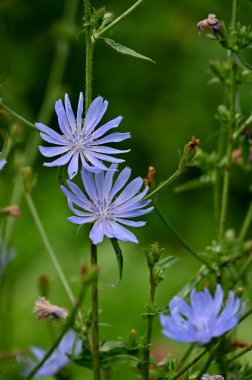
column 44, row 309
column 2, row 162
column 211, row 377
column 103, row 207
column 211, row 23
column 204, row 319
column 12, row 210
column 5, row 257
column 79, row 139
column 56, row 361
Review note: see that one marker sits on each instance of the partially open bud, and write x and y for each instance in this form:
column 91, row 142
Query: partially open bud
column 153, row 254
column 44, row 310
column 12, row 210
column 132, row 338
column 213, row 24
column 189, row 153
column 150, row 176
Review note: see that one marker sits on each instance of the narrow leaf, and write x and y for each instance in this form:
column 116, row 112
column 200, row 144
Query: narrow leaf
column 125, row 50
column 119, row 256
column 241, row 62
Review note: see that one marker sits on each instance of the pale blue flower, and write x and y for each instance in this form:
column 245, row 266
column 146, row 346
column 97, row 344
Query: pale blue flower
column 204, row 319
column 104, row 207
column 2, row 162
column 56, row 361
column 5, row 257
column 80, row 139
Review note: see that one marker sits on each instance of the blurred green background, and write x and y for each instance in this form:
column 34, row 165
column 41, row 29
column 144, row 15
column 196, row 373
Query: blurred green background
column 163, row 105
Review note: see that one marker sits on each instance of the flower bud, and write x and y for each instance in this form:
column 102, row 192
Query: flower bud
column 189, row 153
column 132, row 338
column 153, row 254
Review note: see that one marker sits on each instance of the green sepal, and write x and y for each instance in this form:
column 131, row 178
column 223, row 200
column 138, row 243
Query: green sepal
column 125, row 50
column 119, row 256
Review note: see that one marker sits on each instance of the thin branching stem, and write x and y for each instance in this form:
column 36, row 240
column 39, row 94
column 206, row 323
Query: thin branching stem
column 231, row 127
column 118, row 19
column 48, row 247
column 188, row 366
column 18, row 117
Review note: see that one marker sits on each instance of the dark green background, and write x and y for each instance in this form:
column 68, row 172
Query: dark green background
column 163, row 105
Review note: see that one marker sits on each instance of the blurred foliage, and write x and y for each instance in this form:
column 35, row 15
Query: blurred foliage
column 163, row 105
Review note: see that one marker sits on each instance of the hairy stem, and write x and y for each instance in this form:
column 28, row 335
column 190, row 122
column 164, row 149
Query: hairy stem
column 95, row 318
column 89, row 55
column 146, row 356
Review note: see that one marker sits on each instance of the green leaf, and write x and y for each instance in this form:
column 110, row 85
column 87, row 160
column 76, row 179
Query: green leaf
column 160, row 267
column 240, row 61
column 125, row 50
column 119, row 256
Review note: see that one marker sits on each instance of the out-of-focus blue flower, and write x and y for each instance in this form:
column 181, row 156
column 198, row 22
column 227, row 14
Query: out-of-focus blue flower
column 204, row 319
column 5, row 257
column 80, row 139
column 2, row 162
column 104, row 207
column 56, row 361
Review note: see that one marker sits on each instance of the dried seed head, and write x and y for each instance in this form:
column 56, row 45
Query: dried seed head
column 44, row 309
column 150, row 176
column 12, row 210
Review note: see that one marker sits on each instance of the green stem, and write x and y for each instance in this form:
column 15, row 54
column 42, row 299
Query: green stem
column 146, row 357
column 185, row 356
column 48, row 247
column 231, row 126
column 205, row 367
column 171, row 179
column 67, row 326
column 95, row 318
column 179, row 237
column 241, row 353
column 245, row 225
column 242, row 127
column 89, row 55
column 118, row 19
column 245, row 315
column 184, row 369
column 19, row 117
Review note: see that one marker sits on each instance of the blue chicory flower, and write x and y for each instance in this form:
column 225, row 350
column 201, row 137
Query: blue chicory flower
column 56, row 361
column 80, row 139
column 5, row 257
column 204, row 319
column 104, row 207
column 2, row 162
